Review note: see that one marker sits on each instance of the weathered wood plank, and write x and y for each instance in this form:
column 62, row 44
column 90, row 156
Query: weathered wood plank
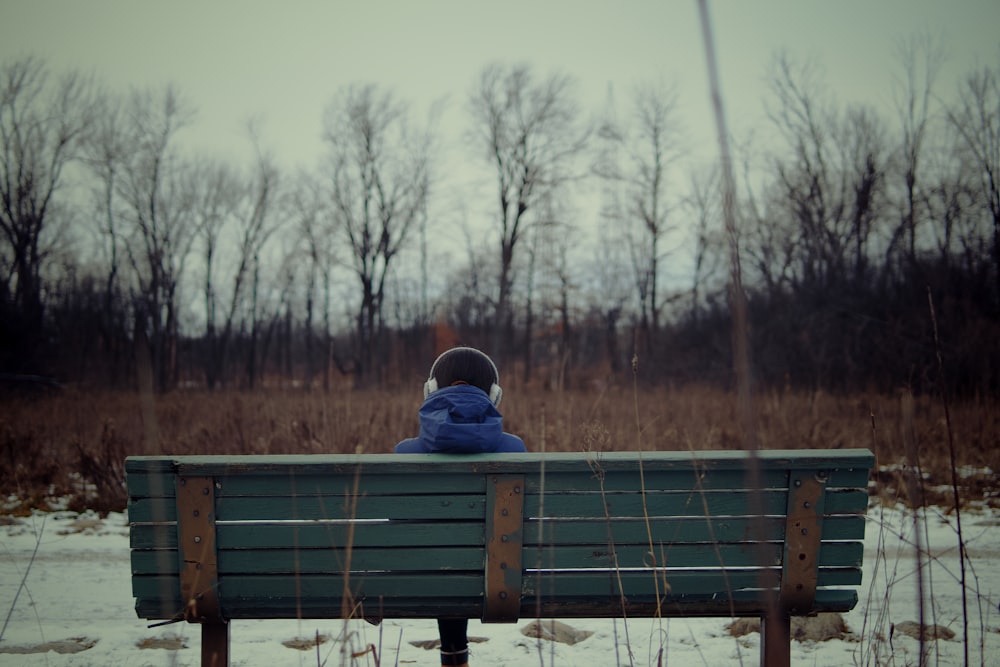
column 246, row 590
column 319, row 535
column 330, row 464
column 677, row 504
column 303, row 561
column 464, row 507
column 568, row 584
column 654, row 504
column 376, row 481
column 426, row 559
column 327, row 561
column 304, row 587
column 325, row 508
column 672, row 556
column 743, row 603
column 740, row 603
column 591, row 532
column 675, row 479
column 719, row 530
column 452, row 508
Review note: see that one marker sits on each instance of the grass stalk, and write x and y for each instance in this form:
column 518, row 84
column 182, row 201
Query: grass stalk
column 954, row 476
column 613, row 553
column 541, row 540
column 879, row 565
column 915, row 484
column 24, row 578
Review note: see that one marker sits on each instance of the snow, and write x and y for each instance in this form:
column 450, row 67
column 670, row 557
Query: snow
column 77, row 594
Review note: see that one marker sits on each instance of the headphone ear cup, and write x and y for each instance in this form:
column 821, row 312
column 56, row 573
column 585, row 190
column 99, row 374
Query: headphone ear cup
column 496, row 393
column 430, row 387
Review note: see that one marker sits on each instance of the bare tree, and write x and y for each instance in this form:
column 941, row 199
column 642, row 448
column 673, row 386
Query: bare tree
column 830, row 183
column 215, row 197
column 610, row 289
column 976, row 117
column 863, row 157
column 952, row 197
column 530, row 132
column 562, row 286
column 921, row 59
column 379, row 183
column 644, row 148
column 610, row 286
column 705, row 202
column 548, row 241
column 467, row 295
column 42, row 125
column 241, row 206
column 767, row 242
column 105, row 155
column 157, row 193
column 317, row 236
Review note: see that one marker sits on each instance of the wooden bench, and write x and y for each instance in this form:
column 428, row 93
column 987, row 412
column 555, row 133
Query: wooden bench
column 498, row 537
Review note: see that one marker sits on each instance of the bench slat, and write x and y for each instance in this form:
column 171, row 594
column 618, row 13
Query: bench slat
column 592, row 531
column 328, row 561
column 242, row 593
column 376, row 482
column 332, row 464
column 681, row 529
column 259, row 508
column 463, row 507
column 849, row 468
column 671, row 556
column 414, row 559
column 309, row 535
column 743, row 603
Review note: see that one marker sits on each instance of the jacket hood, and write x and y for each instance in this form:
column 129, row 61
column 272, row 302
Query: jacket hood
column 460, row 419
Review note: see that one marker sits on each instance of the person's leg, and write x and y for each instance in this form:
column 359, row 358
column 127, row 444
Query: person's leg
column 454, row 641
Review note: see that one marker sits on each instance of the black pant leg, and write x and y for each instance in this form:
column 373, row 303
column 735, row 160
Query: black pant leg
column 454, row 640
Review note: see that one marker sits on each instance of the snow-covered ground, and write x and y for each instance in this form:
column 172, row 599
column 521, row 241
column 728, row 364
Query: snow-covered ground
column 77, row 597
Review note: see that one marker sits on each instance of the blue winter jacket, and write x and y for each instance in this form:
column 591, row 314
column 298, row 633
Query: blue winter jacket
column 460, row 420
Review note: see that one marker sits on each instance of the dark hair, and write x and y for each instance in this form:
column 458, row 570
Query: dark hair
column 465, row 364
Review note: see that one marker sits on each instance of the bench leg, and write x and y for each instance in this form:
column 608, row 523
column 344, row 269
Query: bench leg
column 215, row 645
column 776, row 640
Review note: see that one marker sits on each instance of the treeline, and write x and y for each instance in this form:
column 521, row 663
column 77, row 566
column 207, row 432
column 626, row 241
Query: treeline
column 869, row 240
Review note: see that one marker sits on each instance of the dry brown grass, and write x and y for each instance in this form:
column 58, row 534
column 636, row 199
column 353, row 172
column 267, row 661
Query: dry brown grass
column 75, row 443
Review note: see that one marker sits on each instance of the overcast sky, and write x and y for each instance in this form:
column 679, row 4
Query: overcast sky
column 283, row 60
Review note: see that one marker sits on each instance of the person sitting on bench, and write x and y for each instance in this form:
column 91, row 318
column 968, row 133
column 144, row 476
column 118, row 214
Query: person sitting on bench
column 459, row 416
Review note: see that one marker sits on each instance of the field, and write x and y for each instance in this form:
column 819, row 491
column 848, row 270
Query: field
column 74, row 443
column 65, row 543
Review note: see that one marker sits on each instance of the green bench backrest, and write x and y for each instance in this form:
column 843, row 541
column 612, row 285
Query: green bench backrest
column 595, row 534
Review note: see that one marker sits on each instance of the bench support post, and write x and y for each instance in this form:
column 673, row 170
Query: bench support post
column 504, row 517
column 199, row 576
column 198, row 566
column 803, row 537
column 215, row 645
column 776, row 640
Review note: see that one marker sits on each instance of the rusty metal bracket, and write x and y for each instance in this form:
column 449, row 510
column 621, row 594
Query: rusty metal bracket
column 803, row 530
column 504, row 539
column 199, row 574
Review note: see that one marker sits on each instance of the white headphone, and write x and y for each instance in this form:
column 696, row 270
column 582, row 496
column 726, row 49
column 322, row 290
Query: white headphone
column 495, row 393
